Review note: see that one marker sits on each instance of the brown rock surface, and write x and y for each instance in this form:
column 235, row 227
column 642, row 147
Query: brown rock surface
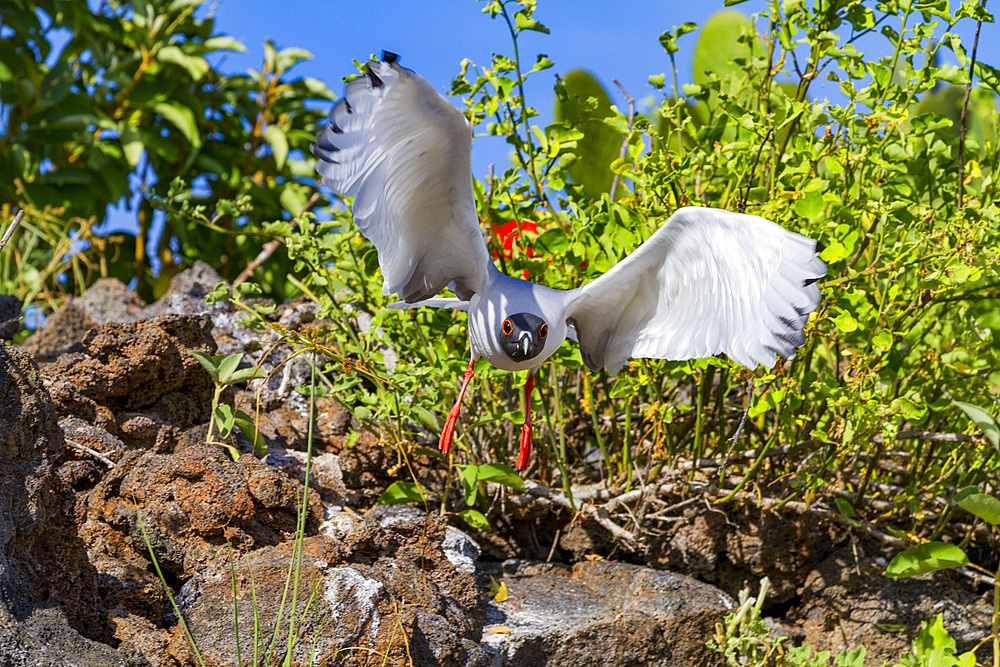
column 190, row 503
column 123, row 368
column 625, row 614
column 848, row 601
column 379, row 590
column 47, row 586
column 737, row 547
column 61, row 333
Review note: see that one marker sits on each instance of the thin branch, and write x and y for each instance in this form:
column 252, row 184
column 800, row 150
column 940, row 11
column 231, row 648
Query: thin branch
column 741, row 207
column 10, row 230
column 272, row 245
column 746, row 408
column 624, row 148
column 597, row 512
column 928, row 435
column 965, row 107
column 93, row 452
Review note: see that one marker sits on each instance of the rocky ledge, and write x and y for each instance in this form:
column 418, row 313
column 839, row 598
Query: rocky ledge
column 104, row 467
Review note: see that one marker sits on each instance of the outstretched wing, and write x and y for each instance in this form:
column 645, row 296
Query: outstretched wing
column 403, row 152
column 707, row 282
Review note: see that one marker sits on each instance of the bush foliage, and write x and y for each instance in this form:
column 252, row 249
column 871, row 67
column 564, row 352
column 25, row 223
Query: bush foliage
column 865, row 151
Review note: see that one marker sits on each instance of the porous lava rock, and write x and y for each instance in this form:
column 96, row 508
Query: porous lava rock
column 736, row 547
column 122, row 369
column 47, row 586
column 375, row 589
column 603, row 613
column 848, row 601
column 62, row 332
column 186, row 506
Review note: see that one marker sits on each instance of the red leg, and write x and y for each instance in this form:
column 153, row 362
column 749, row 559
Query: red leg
column 449, row 425
column 525, row 452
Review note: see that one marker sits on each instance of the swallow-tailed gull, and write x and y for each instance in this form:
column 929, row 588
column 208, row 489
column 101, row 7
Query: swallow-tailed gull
column 706, row 282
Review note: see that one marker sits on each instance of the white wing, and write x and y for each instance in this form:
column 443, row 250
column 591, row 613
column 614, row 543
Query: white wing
column 455, row 304
column 403, row 152
column 707, row 282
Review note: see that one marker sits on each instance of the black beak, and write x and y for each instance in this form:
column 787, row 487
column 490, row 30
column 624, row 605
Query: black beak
column 525, row 347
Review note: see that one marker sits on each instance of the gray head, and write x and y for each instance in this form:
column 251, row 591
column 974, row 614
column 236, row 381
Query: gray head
column 522, row 336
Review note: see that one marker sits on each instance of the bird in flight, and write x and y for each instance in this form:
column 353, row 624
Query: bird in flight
column 706, row 282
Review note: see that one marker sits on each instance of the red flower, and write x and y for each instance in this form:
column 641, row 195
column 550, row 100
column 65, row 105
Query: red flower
column 507, row 232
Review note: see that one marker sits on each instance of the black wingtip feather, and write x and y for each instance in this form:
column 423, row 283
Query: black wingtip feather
column 389, row 57
column 373, row 78
column 820, row 247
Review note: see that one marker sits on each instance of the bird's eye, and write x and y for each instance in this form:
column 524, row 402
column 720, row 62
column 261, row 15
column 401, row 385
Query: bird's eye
column 507, row 328
column 543, row 331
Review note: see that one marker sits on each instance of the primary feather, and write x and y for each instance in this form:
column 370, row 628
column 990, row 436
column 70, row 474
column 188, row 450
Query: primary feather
column 403, row 152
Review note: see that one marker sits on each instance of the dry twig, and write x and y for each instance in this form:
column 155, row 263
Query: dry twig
column 93, row 452
column 10, row 230
column 272, row 245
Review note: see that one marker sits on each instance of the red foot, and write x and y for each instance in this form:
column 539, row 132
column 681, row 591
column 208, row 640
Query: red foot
column 525, row 451
column 449, row 430
column 449, row 425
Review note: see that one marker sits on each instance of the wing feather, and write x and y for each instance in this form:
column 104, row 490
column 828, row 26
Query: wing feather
column 707, row 282
column 403, row 152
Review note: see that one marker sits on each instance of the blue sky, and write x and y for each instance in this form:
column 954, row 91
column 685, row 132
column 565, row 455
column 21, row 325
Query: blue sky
column 614, row 40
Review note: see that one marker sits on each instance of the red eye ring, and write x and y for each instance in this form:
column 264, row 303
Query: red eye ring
column 507, row 328
column 543, row 331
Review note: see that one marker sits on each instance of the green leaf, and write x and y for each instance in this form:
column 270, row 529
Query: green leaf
column 523, row 22
column 196, row 66
column 224, row 43
column 542, row 63
column 811, row 205
column 292, row 198
column 312, row 390
column 846, row 322
column 622, row 388
column 425, row 417
column 927, row 557
column 182, row 118
column 501, row 473
column 468, row 475
column 986, row 422
column 249, row 427
column 475, row 519
column 847, row 510
column 224, row 420
column 911, row 408
column 246, row 374
column 209, row 362
column 402, row 492
column 882, row 340
column 132, row 145
column 288, row 57
column 227, row 366
column 275, row 136
column 983, row 505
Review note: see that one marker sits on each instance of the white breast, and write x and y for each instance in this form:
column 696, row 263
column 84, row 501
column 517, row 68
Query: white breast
column 504, row 297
